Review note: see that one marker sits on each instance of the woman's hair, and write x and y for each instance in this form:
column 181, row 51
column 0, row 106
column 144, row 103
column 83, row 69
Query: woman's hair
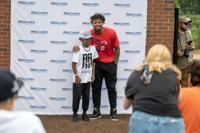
column 97, row 16
column 159, row 59
column 194, row 70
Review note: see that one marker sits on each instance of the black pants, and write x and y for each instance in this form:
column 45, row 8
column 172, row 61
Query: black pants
column 78, row 91
column 109, row 72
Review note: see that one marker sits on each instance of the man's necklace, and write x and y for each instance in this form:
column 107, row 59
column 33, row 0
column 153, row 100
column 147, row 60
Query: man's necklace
column 87, row 50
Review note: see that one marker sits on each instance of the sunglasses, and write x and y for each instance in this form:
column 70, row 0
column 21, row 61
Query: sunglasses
column 186, row 23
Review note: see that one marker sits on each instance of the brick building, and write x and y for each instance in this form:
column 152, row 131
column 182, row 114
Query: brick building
column 160, row 27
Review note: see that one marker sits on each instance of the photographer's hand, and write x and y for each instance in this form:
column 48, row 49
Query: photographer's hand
column 189, row 47
column 180, row 53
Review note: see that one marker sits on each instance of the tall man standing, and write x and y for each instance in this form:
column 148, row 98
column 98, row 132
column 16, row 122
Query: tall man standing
column 107, row 45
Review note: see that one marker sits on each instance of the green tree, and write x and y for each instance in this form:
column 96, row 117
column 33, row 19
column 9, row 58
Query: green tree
column 188, row 6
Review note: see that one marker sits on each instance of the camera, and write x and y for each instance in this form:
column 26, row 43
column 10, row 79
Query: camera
column 186, row 53
column 189, row 42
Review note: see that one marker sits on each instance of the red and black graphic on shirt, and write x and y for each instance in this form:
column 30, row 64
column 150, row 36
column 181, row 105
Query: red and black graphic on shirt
column 100, row 45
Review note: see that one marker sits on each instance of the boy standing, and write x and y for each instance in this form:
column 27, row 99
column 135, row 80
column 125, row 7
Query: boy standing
column 83, row 68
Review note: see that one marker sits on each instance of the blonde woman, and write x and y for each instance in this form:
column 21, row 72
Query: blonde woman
column 152, row 90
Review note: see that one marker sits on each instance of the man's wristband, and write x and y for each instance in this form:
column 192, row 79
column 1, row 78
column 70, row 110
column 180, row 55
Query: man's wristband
column 76, row 74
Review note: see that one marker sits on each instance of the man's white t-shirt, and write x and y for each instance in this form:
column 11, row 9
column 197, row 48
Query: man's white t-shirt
column 20, row 122
column 84, row 59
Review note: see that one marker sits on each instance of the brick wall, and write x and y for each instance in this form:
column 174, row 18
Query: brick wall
column 4, row 34
column 160, row 23
column 160, row 26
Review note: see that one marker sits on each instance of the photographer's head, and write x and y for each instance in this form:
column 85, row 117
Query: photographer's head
column 194, row 71
column 9, row 87
column 184, row 23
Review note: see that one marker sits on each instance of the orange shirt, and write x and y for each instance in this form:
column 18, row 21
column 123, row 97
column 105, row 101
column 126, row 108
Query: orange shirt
column 190, row 109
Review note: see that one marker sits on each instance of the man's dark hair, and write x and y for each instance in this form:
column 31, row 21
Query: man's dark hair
column 194, row 70
column 97, row 16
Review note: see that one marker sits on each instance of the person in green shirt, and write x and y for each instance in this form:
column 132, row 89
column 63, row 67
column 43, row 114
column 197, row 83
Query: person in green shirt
column 184, row 48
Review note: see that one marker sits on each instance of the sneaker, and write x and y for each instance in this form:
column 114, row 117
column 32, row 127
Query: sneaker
column 75, row 117
column 113, row 114
column 96, row 114
column 85, row 117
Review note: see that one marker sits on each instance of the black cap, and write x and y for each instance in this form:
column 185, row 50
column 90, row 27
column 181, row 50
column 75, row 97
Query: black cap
column 9, row 85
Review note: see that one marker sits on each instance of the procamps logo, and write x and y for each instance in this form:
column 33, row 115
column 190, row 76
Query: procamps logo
column 128, row 69
column 67, row 51
column 40, row 13
column 26, row 97
column 86, row 23
column 106, row 14
column 57, row 80
column 66, row 107
column 67, row 89
column 59, row 42
column 122, row 79
column 26, row 41
column 26, row 22
column 59, row 23
column 132, row 51
column 134, row 33
column 134, row 14
column 38, row 88
column 71, row 13
column 39, row 51
column 124, row 42
column 57, row 98
column 59, row 3
column 26, row 78
column 39, row 32
column 58, row 61
column 124, row 5
column 90, row 4
column 123, row 61
column 38, row 70
column 26, row 3
column 121, row 23
column 38, row 107
column 68, row 70
column 26, row 60
column 71, row 32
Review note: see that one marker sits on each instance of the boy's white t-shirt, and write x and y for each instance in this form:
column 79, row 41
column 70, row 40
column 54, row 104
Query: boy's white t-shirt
column 84, row 59
column 20, row 122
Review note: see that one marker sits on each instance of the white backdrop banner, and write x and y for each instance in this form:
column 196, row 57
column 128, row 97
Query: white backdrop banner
column 43, row 33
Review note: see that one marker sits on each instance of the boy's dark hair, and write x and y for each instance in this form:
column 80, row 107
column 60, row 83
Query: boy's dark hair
column 97, row 16
column 194, row 70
